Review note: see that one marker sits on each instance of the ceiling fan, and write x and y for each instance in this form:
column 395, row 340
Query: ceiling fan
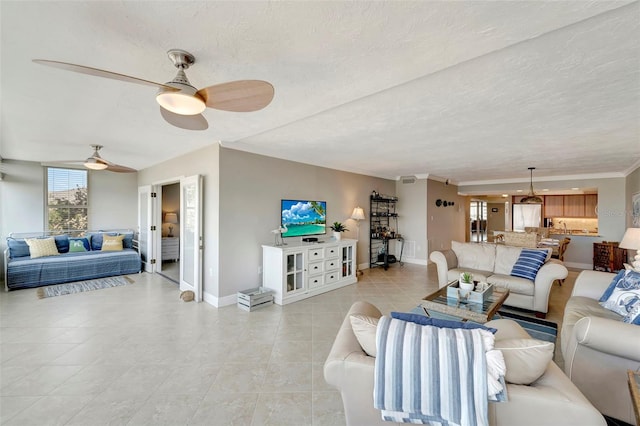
column 96, row 162
column 181, row 104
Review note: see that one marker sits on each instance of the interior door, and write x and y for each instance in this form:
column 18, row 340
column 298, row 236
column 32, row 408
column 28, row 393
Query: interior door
column 145, row 229
column 191, row 235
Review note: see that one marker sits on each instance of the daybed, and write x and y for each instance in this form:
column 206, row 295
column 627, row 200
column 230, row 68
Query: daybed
column 550, row 400
column 494, row 263
column 598, row 347
column 23, row 270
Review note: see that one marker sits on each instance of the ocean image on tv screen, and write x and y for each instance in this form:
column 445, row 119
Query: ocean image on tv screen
column 304, row 217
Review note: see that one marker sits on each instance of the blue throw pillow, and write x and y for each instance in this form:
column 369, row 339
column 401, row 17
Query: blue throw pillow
column 18, row 247
column 62, row 243
column 95, row 238
column 624, row 297
column 612, row 286
column 436, row 322
column 127, row 242
column 79, row 245
column 529, row 263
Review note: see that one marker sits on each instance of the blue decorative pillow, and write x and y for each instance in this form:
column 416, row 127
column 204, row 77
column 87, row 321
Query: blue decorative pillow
column 623, row 296
column 62, row 243
column 18, row 247
column 127, row 242
column 436, row 322
column 529, row 263
column 612, row 286
column 79, row 245
column 95, row 238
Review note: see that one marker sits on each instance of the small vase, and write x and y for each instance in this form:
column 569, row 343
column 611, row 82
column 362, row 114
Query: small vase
column 337, row 235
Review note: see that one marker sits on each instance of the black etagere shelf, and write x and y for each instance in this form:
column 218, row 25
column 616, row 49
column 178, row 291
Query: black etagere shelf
column 384, row 228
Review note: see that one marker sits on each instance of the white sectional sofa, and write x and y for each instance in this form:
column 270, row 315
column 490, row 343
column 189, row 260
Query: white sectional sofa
column 598, row 347
column 493, row 263
column 551, row 400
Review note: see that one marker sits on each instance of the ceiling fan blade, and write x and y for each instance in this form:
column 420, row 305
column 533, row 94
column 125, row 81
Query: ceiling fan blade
column 119, row 169
column 100, row 73
column 238, row 96
column 188, row 122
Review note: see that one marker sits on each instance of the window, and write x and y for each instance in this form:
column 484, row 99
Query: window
column 67, row 200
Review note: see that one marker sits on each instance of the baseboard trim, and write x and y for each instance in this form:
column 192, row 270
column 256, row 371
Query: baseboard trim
column 587, row 266
column 219, row 302
column 416, row 261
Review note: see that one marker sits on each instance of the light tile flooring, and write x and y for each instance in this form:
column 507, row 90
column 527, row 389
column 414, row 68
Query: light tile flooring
column 138, row 355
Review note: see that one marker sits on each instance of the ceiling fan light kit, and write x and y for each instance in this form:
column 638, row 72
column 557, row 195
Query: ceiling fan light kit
column 185, row 101
column 94, row 164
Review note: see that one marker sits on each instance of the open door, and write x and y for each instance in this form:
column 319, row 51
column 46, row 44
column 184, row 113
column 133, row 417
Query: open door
column 145, row 228
column 191, row 235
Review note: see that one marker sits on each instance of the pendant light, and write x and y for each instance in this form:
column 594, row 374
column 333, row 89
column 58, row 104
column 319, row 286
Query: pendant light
column 532, row 198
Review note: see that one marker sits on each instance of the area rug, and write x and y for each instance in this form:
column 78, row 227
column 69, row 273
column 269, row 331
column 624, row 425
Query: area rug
column 81, row 286
column 537, row 328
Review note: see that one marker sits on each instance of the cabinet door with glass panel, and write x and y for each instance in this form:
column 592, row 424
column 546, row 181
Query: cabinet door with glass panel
column 347, row 260
column 294, row 272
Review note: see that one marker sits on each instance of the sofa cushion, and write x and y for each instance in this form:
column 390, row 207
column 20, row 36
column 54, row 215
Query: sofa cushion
column 623, row 295
column 526, row 359
column 112, row 242
column 474, row 256
column 506, row 257
column 62, row 243
column 41, row 247
column 365, row 327
column 18, row 247
column 529, row 263
column 438, row 322
column 79, row 244
column 514, row 284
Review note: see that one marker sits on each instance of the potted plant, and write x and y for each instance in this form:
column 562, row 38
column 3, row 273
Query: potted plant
column 337, row 229
column 466, row 282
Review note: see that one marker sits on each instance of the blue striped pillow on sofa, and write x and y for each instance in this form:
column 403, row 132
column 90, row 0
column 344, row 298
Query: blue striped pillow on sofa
column 529, row 263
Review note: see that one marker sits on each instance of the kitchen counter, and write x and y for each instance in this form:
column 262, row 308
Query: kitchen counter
column 574, row 233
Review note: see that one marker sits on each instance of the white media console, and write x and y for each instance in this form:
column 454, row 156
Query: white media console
column 299, row 270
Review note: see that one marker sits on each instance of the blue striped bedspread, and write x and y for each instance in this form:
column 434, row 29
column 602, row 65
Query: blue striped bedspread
column 25, row 272
column 431, row 375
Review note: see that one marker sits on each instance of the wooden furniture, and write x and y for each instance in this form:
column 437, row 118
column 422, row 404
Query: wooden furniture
column 579, row 205
column 170, row 248
column 478, row 312
column 608, row 257
column 301, row 270
column 634, row 390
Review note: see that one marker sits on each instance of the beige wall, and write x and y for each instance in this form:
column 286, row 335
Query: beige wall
column 251, row 187
column 633, row 187
column 445, row 224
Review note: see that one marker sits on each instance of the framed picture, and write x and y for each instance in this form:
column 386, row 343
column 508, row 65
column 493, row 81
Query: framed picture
column 635, row 210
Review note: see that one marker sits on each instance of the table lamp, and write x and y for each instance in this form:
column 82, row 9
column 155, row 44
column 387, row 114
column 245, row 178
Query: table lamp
column 171, row 218
column 631, row 240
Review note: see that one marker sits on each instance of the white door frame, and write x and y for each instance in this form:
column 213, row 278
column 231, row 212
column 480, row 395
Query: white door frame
column 146, row 243
column 191, row 246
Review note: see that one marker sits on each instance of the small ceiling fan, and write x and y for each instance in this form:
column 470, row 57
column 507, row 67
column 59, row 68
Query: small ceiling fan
column 96, row 162
column 181, row 104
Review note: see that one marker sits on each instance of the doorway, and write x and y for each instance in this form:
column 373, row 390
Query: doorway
column 169, row 265
column 478, row 224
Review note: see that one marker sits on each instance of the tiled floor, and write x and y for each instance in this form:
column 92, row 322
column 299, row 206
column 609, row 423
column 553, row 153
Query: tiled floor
column 138, row 355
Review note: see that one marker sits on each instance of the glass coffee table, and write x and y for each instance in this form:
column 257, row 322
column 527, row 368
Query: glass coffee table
column 461, row 308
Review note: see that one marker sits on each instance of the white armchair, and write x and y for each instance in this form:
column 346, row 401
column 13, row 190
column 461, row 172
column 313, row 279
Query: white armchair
column 598, row 348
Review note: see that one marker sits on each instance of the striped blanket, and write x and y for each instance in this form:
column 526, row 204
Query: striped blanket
column 431, row 375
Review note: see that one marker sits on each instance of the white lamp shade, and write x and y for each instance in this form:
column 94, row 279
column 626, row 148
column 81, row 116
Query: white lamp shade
column 171, row 218
column 93, row 164
column 631, row 239
column 358, row 214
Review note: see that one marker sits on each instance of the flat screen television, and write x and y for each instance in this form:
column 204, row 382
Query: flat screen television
column 303, row 217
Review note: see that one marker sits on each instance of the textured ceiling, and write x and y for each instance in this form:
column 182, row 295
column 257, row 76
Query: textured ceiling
column 470, row 90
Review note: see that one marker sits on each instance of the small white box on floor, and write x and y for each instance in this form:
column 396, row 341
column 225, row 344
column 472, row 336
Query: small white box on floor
column 254, row 298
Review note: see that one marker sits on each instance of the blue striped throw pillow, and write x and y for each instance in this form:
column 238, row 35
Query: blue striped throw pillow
column 528, row 264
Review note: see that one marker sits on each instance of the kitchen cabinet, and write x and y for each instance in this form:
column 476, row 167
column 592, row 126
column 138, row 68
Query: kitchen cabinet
column 577, row 205
column 553, row 206
column 591, row 205
column 574, row 205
